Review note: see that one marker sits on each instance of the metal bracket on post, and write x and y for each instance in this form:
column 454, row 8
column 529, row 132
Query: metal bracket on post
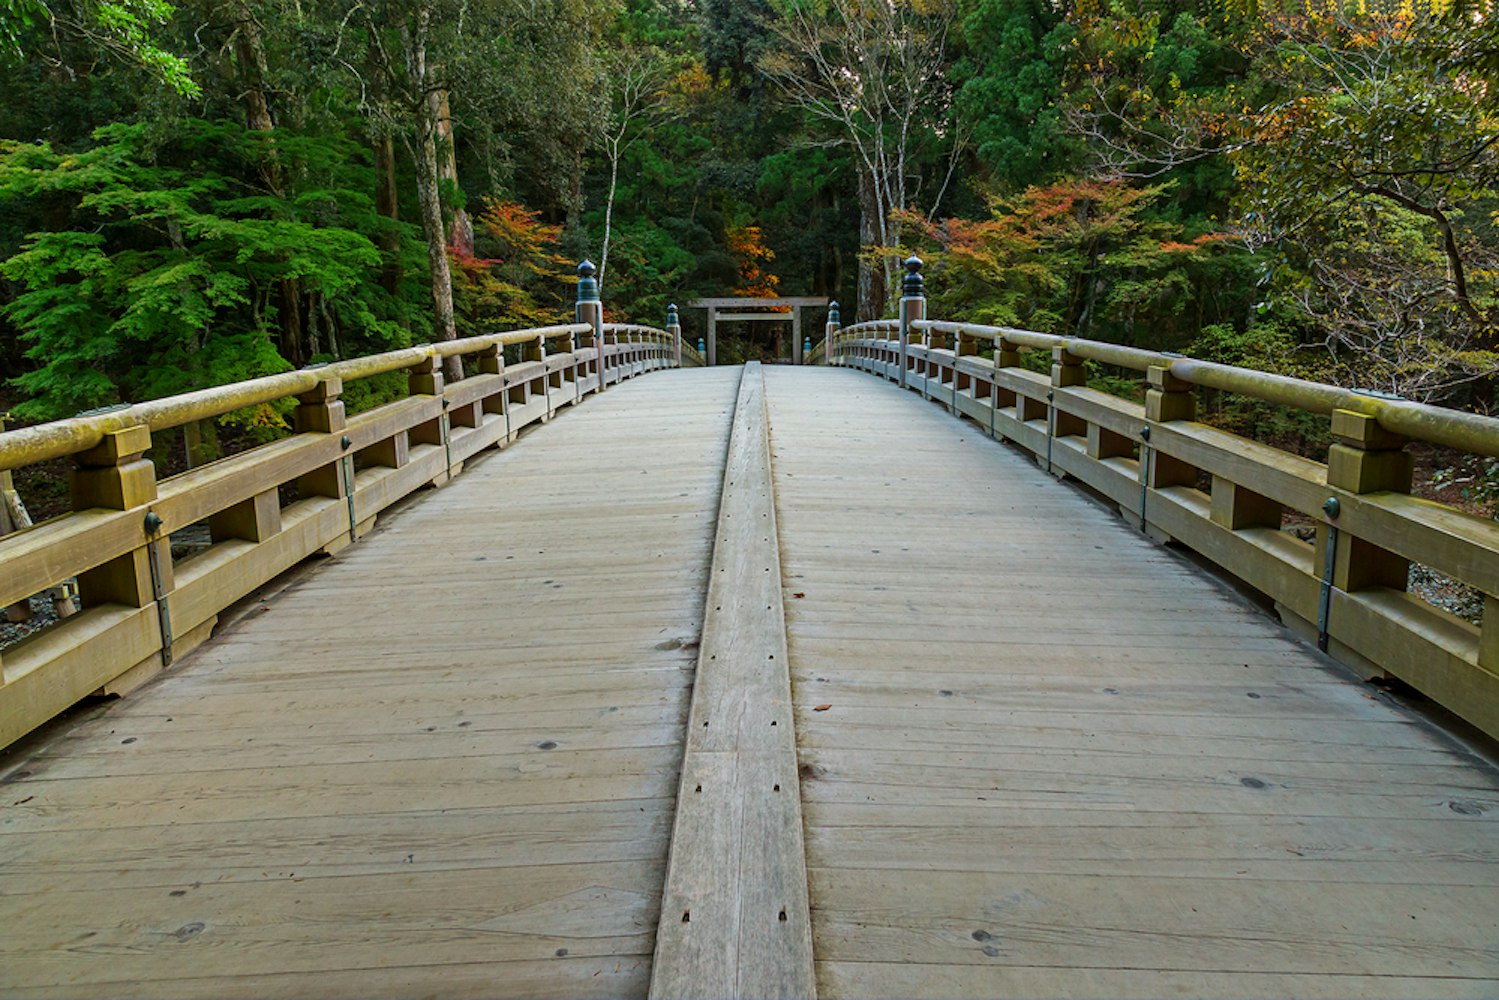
column 1051, row 426
column 443, row 425
column 1144, row 473
column 348, row 464
column 1331, row 507
column 158, row 590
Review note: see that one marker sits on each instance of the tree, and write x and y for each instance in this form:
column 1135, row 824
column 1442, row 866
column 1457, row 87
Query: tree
column 873, row 71
column 1016, row 57
column 1376, row 168
column 126, row 29
column 636, row 76
column 1364, row 167
column 166, row 277
column 1081, row 258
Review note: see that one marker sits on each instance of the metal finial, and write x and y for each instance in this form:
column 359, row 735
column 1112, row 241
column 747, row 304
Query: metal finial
column 834, row 316
column 702, row 345
column 671, row 315
column 588, row 286
column 914, row 286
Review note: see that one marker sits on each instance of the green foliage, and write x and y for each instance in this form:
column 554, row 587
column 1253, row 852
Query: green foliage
column 1016, row 55
column 165, row 282
column 128, row 29
column 1085, row 258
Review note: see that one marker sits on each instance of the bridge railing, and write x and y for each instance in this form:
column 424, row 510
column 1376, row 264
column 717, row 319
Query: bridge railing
column 267, row 508
column 1229, row 497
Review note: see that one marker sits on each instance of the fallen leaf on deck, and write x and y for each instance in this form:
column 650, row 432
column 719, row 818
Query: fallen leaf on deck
column 822, row 708
column 798, row 595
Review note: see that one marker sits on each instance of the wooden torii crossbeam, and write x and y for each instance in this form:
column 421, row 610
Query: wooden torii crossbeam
column 715, row 313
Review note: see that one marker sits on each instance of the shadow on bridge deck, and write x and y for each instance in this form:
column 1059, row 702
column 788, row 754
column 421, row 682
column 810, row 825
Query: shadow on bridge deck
column 1039, row 755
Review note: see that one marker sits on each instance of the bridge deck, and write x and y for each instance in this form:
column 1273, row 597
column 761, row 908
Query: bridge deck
column 1059, row 760
column 444, row 763
column 1040, row 756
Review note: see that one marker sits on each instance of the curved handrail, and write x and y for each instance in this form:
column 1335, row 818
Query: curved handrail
column 59, row 438
column 1420, row 421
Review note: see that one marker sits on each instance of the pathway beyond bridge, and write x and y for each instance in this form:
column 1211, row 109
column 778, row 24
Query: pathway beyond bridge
column 949, row 729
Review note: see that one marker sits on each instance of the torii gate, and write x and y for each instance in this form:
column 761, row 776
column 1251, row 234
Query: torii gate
column 796, row 303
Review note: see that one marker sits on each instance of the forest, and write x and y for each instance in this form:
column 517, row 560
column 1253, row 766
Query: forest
column 202, row 191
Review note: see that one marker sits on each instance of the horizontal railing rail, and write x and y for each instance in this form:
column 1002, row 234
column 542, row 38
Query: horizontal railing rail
column 267, row 508
column 1228, row 497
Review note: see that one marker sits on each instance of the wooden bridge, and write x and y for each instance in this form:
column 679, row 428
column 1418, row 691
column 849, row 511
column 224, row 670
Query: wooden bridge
column 743, row 681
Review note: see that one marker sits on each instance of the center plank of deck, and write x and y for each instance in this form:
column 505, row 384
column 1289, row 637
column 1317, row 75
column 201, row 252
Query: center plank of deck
column 1045, row 757
column 445, row 764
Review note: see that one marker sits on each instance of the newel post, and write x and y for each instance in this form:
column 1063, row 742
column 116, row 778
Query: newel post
column 674, row 327
column 1366, row 458
column 912, row 308
column 115, row 474
column 834, row 322
column 590, row 310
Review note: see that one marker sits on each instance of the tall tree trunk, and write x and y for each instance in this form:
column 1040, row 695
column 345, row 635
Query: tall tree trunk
column 388, row 205
column 871, row 303
column 444, row 326
column 414, row 41
column 249, row 53
column 461, row 230
column 609, row 214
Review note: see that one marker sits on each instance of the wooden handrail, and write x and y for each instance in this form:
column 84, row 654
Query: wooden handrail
column 142, row 608
column 1438, row 425
column 1226, row 496
column 61, row 438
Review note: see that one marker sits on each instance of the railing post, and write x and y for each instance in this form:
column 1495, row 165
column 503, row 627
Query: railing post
column 1365, row 458
column 1167, row 399
column 590, row 310
column 116, row 475
column 320, row 410
column 491, row 361
column 1488, row 642
column 674, row 327
column 830, row 332
column 912, row 308
column 1067, row 371
column 425, row 379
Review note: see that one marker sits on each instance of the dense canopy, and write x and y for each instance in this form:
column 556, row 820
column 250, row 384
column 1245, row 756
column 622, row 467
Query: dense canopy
column 209, row 190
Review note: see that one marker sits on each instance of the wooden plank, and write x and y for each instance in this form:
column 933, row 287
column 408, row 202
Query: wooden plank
column 897, row 980
column 1043, row 756
column 443, row 763
column 734, row 915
